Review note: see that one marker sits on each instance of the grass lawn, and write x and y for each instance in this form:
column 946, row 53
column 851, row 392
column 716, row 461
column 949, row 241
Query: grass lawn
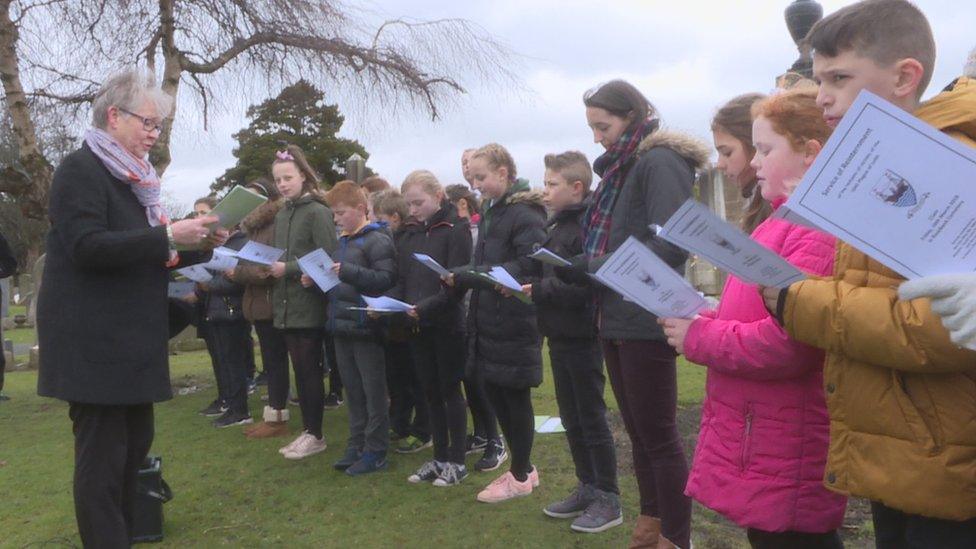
column 233, row 492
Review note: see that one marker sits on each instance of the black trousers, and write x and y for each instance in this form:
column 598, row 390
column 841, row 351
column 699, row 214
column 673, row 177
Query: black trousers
column 274, row 359
column 760, row 539
column 3, row 362
column 513, row 407
column 409, row 413
column 439, row 357
column 111, row 443
column 332, row 364
column 894, row 529
column 577, row 373
column 231, row 341
column 305, row 348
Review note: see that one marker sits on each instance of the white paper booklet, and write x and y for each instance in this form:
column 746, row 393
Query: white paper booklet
column 223, row 260
column 255, row 252
column 196, row 273
column 550, row 258
column 896, row 189
column 432, row 264
column 634, row 272
column 502, row 277
column 318, row 266
column 695, row 228
column 384, row 304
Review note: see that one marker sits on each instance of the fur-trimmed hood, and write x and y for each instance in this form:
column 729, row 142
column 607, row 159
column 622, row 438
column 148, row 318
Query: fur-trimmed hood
column 530, row 196
column 692, row 149
column 261, row 217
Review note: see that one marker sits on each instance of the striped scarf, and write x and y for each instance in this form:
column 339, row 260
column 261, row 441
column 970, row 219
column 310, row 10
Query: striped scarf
column 137, row 172
column 609, row 166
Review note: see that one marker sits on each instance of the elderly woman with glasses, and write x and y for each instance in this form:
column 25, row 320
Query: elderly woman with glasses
column 102, row 317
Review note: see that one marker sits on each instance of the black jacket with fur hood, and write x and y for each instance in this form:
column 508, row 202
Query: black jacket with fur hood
column 659, row 180
column 507, row 345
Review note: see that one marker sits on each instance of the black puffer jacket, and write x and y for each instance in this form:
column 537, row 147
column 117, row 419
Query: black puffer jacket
column 505, row 339
column 368, row 261
column 658, row 182
column 565, row 310
column 446, row 238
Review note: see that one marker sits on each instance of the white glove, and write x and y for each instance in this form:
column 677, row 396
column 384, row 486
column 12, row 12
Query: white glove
column 953, row 298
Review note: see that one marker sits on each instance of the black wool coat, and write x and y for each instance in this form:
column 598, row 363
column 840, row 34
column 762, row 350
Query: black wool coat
column 102, row 316
column 506, row 343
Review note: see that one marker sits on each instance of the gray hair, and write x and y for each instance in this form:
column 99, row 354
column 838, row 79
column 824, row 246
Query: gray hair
column 970, row 69
column 128, row 90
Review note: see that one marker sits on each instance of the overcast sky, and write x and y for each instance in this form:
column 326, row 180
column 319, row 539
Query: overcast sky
column 687, row 57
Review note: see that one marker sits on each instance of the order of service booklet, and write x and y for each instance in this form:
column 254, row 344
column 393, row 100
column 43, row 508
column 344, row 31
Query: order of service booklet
column 895, row 188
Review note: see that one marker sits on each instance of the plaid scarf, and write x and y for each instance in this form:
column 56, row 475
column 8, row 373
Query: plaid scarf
column 137, row 172
column 609, row 166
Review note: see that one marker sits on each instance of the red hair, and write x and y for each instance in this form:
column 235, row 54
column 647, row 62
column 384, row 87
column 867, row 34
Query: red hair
column 795, row 115
column 346, row 193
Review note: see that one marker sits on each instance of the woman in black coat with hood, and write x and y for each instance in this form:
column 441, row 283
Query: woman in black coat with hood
column 505, row 342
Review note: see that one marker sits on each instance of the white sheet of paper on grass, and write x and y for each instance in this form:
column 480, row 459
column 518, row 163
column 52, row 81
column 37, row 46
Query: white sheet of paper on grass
column 318, row 266
column 262, row 254
column 635, row 272
column 549, row 424
column 697, row 229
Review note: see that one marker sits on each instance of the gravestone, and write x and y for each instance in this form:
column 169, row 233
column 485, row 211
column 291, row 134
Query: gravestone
column 36, row 275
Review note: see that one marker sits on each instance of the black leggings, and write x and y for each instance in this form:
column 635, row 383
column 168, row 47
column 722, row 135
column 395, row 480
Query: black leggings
column 274, row 360
column 482, row 416
column 439, row 359
column 305, row 347
column 335, row 380
column 513, row 407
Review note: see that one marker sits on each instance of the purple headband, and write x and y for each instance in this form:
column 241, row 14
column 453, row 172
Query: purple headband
column 284, row 156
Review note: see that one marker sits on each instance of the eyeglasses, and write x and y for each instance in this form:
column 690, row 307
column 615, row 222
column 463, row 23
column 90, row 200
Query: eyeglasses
column 148, row 124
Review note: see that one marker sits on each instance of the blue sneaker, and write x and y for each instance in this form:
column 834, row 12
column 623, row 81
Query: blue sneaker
column 350, row 457
column 369, row 463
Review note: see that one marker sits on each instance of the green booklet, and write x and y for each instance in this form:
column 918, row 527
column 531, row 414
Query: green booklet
column 233, row 208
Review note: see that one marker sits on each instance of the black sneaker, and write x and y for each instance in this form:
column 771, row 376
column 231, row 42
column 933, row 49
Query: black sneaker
column 572, row 505
column 452, row 475
column 332, row 401
column 475, row 444
column 351, row 456
column 494, row 456
column 215, row 409
column 229, row 419
column 604, row 513
column 428, row 472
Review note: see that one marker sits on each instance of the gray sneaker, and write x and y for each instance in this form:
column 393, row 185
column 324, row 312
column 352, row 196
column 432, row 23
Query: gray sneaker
column 604, row 513
column 574, row 504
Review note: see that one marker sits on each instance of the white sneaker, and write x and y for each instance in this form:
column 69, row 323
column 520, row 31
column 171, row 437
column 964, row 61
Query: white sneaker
column 307, row 446
column 288, row 447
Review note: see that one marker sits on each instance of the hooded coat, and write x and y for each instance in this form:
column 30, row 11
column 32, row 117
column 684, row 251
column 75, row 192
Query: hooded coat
column 658, row 181
column 901, row 395
column 368, row 261
column 507, row 344
column 258, row 283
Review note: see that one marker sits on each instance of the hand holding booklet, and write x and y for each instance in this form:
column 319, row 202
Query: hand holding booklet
column 431, row 264
column 233, row 208
column 318, row 266
column 196, row 273
column 636, row 273
column 895, row 188
column 695, row 228
column 549, row 258
column 223, row 259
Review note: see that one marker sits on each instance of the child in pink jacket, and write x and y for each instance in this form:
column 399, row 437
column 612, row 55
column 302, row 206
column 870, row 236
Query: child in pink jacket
column 762, row 445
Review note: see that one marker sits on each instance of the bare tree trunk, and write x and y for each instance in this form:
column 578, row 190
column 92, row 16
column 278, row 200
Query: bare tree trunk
column 172, row 70
column 33, row 189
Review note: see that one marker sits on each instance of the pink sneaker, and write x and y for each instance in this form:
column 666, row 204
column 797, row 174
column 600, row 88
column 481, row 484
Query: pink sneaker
column 534, row 477
column 504, row 488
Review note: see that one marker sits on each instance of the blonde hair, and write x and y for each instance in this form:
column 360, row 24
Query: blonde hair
column 425, row 179
column 390, row 202
column 497, row 157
